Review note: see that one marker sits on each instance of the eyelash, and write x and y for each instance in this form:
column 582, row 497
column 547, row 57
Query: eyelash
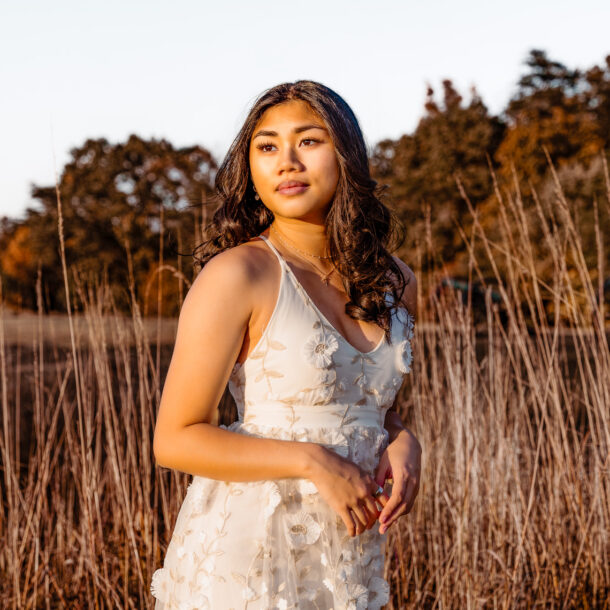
column 263, row 144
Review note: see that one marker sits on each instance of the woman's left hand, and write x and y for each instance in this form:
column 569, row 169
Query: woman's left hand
column 401, row 462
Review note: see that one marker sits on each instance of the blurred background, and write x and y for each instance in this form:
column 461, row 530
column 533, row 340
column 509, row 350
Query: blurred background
column 490, row 125
column 134, row 106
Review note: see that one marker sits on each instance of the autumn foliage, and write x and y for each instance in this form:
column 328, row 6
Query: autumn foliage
column 145, row 200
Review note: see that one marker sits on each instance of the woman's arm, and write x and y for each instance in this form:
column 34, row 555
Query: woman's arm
column 206, row 450
column 211, row 328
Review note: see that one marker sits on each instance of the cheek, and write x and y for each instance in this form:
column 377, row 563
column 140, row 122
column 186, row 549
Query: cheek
column 263, row 163
column 258, row 173
column 331, row 173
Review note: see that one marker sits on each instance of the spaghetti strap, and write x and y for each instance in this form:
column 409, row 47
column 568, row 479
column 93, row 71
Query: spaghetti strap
column 274, row 250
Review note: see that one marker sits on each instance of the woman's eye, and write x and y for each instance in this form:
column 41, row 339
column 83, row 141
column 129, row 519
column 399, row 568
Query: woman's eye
column 265, row 145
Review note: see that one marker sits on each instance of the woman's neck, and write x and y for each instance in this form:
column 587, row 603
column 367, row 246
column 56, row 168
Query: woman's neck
column 308, row 239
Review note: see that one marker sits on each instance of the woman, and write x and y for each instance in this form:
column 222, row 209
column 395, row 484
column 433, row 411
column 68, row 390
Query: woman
column 294, row 309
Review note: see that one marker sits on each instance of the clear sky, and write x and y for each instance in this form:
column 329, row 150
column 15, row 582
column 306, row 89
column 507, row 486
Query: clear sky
column 188, row 70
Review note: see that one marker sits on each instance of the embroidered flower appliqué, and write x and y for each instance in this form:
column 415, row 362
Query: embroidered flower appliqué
column 159, row 584
column 318, row 349
column 357, row 597
column 302, row 529
column 379, row 593
column 405, row 356
column 385, row 396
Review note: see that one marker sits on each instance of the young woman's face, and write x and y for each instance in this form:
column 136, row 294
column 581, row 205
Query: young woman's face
column 290, row 143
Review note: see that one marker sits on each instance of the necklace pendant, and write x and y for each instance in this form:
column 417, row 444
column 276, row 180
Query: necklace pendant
column 326, row 277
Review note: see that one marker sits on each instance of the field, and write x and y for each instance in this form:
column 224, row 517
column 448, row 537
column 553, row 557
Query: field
column 513, row 417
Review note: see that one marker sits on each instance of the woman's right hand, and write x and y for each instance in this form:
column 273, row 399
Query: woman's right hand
column 346, row 487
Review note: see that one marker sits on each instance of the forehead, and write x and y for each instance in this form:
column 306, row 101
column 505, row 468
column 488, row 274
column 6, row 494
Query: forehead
column 287, row 113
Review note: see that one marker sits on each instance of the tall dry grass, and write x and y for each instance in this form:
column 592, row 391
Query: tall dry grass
column 514, row 504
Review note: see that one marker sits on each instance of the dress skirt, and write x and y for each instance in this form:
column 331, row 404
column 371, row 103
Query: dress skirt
column 274, row 544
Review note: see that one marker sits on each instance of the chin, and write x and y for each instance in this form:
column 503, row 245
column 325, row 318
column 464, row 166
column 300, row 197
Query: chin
column 296, row 213
column 293, row 208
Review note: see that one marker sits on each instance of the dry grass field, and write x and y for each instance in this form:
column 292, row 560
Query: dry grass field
column 513, row 416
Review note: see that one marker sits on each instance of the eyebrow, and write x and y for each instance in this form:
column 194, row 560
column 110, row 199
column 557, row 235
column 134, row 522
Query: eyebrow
column 264, row 132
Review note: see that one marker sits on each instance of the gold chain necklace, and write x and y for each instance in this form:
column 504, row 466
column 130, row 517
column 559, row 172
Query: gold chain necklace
column 294, row 247
column 324, row 276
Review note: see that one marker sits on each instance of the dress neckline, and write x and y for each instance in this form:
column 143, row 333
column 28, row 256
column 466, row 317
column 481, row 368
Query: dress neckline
column 284, row 262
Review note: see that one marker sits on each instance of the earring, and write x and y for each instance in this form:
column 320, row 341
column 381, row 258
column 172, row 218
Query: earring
column 256, row 196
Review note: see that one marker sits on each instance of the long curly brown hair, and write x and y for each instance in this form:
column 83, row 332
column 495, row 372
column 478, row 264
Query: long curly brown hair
column 361, row 229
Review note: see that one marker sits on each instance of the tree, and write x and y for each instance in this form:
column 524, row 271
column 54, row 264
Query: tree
column 452, row 139
column 596, row 97
column 548, row 111
column 114, row 195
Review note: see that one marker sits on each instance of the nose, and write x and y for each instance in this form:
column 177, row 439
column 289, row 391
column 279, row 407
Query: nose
column 289, row 160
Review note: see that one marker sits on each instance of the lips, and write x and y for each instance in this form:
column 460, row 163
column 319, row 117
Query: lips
column 292, row 186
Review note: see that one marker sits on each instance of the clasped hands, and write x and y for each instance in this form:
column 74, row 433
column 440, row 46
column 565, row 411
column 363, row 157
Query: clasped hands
column 349, row 490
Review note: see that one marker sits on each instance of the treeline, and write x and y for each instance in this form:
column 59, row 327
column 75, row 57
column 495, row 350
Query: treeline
column 132, row 210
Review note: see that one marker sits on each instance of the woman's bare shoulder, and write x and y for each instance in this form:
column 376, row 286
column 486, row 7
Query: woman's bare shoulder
column 235, row 271
column 409, row 296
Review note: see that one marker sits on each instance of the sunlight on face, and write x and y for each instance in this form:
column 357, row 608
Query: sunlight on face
column 291, row 143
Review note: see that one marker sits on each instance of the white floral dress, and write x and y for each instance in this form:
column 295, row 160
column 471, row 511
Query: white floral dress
column 277, row 544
